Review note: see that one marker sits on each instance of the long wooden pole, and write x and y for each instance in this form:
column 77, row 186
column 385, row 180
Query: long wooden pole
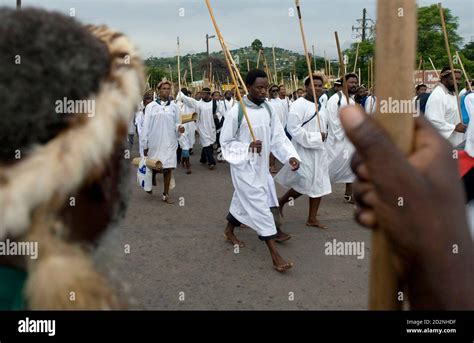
column 179, row 67
column 468, row 80
column 342, row 68
column 357, row 56
column 258, row 58
column 191, row 70
column 274, row 65
column 308, row 62
column 231, row 72
column 398, row 56
column 248, row 65
column 448, row 50
column 434, row 68
column 314, row 58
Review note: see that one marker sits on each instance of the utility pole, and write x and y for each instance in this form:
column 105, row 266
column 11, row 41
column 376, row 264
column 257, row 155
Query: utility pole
column 18, row 4
column 366, row 27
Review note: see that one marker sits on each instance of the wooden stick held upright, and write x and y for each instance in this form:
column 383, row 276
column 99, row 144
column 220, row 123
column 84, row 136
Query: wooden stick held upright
column 231, row 72
column 191, row 70
column 434, row 68
column 342, row 67
column 448, row 50
column 468, row 80
column 308, row 62
column 355, row 61
column 398, row 56
column 179, row 68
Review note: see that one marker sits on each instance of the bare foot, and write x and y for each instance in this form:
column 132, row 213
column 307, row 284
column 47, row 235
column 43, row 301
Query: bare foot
column 282, row 237
column 231, row 238
column 316, row 223
column 166, row 198
column 281, row 265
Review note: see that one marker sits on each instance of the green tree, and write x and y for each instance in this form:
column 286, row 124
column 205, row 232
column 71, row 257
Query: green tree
column 430, row 35
column 156, row 75
column 257, row 45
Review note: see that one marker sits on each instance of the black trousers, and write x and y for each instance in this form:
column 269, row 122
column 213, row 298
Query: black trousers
column 207, row 156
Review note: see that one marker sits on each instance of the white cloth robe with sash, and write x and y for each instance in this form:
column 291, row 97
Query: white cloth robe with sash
column 312, row 178
column 442, row 111
column 338, row 146
column 205, row 123
column 254, row 188
column 160, row 132
column 139, row 120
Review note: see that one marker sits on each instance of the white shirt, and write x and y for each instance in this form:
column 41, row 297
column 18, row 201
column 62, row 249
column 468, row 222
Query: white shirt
column 442, row 111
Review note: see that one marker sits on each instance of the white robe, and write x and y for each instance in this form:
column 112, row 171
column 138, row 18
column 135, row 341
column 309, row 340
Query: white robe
column 370, row 104
column 228, row 104
column 280, row 110
column 159, row 133
column 205, row 123
column 190, row 127
column 255, row 191
column 339, row 148
column 139, row 120
column 442, row 111
column 323, row 100
column 469, row 103
column 312, row 178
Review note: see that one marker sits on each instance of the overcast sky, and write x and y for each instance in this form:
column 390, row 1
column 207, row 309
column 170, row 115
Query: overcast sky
column 154, row 24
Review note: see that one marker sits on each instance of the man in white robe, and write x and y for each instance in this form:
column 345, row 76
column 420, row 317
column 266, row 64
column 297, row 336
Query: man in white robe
column 308, row 138
column 140, row 118
column 255, row 191
column 160, row 134
column 189, row 127
column 205, row 124
column 279, row 108
column 442, row 109
column 339, row 148
column 228, row 101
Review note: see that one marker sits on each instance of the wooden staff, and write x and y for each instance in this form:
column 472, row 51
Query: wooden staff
column 258, row 58
column 191, row 70
column 398, row 56
column 326, row 68
column 434, row 68
column 308, row 63
column 171, row 79
column 232, row 64
column 368, row 75
column 179, row 68
column 266, row 67
column 448, row 50
column 248, row 65
column 342, row 67
column 359, row 76
column 274, row 64
column 295, row 82
column 372, row 74
column 464, row 72
column 184, row 78
column 357, row 56
column 314, row 57
column 231, row 72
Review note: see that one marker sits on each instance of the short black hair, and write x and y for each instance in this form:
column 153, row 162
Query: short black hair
column 350, row 75
column 216, row 92
column 280, row 87
column 315, row 77
column 206, row 90
column 60, row 59
column 420, row 85
column 252, row 76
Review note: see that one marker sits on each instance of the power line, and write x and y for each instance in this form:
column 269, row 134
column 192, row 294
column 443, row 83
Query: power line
column 366, row 28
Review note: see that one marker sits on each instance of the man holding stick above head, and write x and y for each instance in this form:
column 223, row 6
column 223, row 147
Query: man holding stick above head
column 442, row 108
column 312, row 178
column 255, row 202
column 159, row 137
column 338, row 146
column 206, row 126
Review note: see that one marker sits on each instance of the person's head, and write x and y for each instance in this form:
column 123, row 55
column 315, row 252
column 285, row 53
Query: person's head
column 228, row 95
column 446, row 78
column 273, row 92
column 198, row 95
column 282, row 91
column 361, row 91
column 337, row 85
column 147, row 98
column 206, row 94
column 164, row 89
column 318, row 85
column 294, row 96
column 185, row 91
column 421, row 88
column 257, row 85
column 77, row 159
column 216, row 95
column 299, row 92
column 352, row 81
